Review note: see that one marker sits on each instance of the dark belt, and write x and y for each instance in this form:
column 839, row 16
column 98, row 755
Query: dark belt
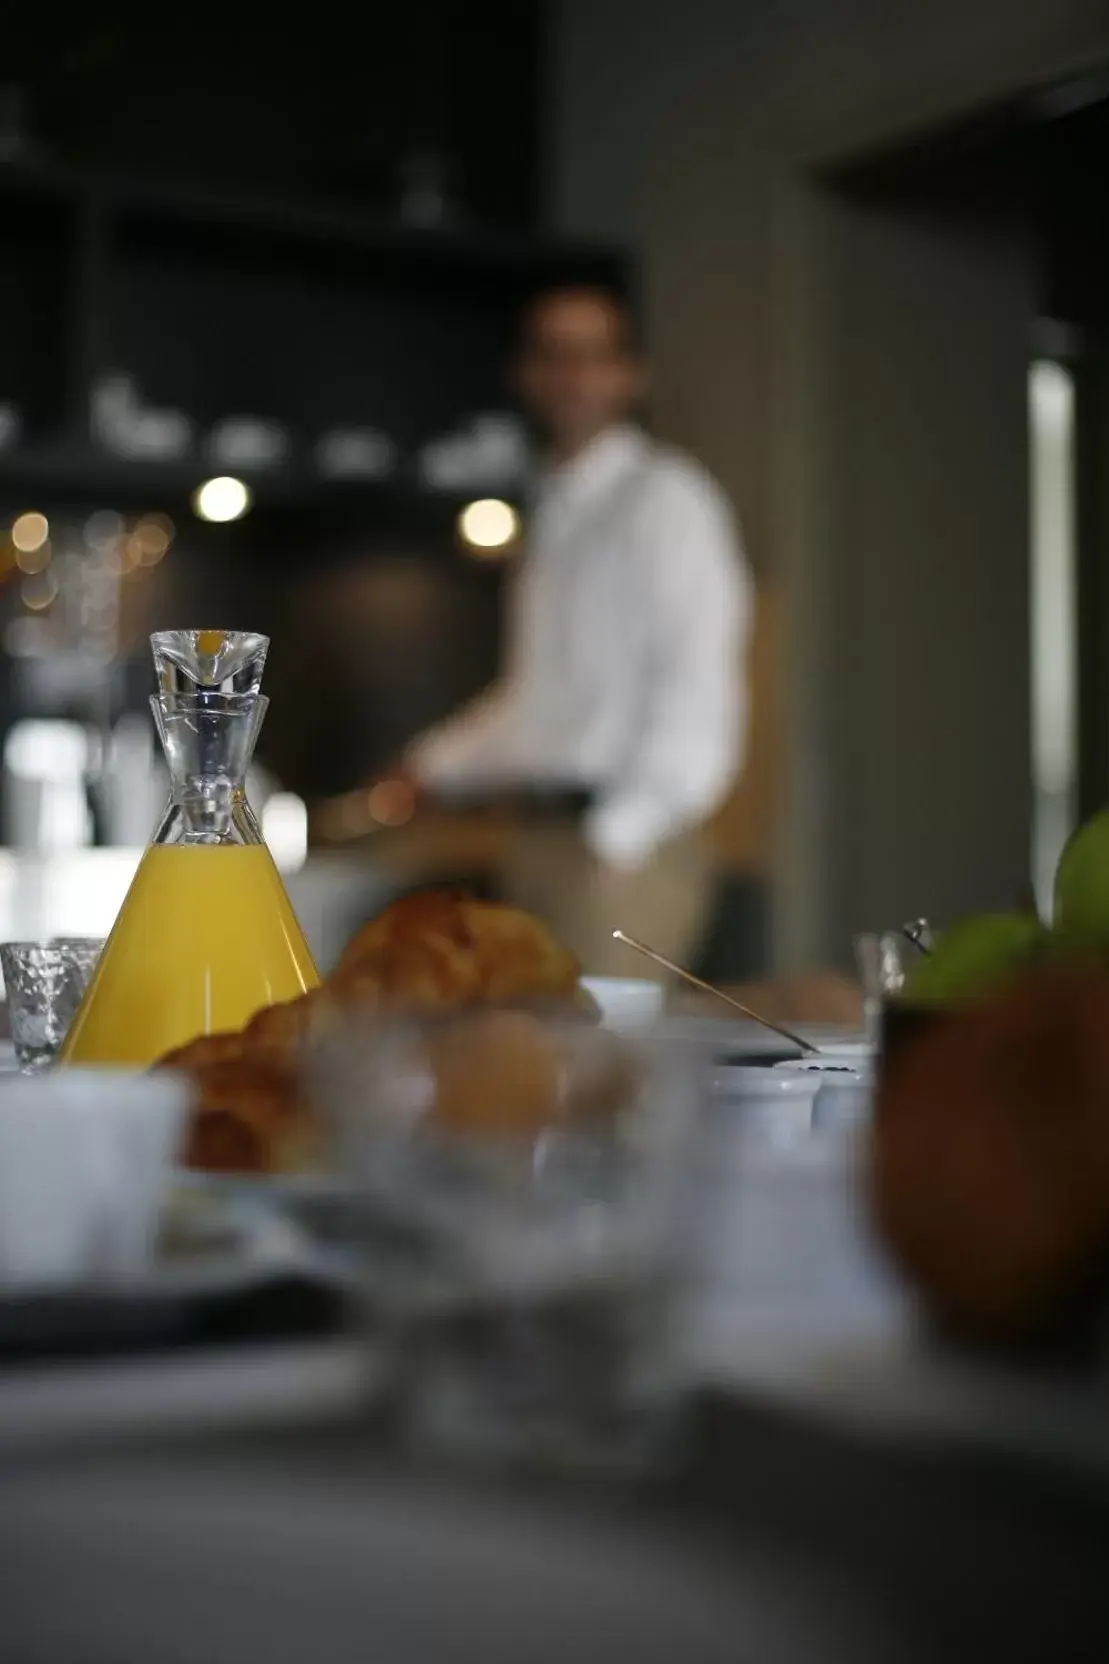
column 533, row 803
column 552, row 803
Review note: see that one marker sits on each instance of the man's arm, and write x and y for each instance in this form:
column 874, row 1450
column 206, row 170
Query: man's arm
column 474, row 745
column 478, row 744
column 694, row 724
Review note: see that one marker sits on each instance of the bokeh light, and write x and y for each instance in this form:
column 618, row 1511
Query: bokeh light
column 149, row 540
column 285, row 829
column 33, row 560
column 221, row 499
column 103, row 528
column 489, row 527
column 39, row 591
column 29, row 533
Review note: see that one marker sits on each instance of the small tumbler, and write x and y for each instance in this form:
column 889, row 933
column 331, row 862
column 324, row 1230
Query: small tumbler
column 45, row 983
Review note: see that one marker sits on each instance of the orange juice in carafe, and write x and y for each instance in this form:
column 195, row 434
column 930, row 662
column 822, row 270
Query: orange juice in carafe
column 206, row 938
column 207, row 935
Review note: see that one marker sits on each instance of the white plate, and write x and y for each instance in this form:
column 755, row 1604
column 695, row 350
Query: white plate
column 259, row 1188
column 218, row 1245
column 210, row 1244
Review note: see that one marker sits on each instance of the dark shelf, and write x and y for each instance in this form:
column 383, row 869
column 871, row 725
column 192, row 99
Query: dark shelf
column 223, row 227
column 219, row 305
column 77, row 472
column 131, row 203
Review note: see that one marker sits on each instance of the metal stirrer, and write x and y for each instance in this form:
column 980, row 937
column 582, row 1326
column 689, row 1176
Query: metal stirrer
column 717, row 993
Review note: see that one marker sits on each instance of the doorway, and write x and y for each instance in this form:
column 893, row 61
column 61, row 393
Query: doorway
column 933, row 270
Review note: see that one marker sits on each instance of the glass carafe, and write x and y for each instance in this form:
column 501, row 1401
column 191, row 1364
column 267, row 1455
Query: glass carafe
column 206, row 935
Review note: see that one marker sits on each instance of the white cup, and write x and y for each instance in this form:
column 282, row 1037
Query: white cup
column 794, row 1232
column 843, row 1086
column 754, row 1115
column 768, row 1104
column 85, row 1159
column 773, row 1211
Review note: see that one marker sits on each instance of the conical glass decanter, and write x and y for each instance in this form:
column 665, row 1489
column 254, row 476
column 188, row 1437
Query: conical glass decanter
column 206, row 935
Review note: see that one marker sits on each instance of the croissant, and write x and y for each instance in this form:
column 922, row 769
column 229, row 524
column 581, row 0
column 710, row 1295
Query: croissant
column 440, row 947
column 280, row 1033
column 204, row 1051
column 248, row 1119
column 434, row 951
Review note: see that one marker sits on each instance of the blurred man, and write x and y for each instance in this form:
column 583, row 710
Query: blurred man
column 620, row 717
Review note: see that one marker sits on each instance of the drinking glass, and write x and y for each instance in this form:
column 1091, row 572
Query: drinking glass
column 45, row 983
column 519, row 1201
column 881, row 960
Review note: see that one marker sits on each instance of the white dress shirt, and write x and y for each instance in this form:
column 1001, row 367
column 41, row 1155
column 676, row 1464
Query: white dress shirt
column 627, row 628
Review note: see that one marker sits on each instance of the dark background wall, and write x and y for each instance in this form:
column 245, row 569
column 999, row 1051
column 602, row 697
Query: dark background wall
column 855, row 372
column 840, row 332
column 327, row 106
column 225, row 213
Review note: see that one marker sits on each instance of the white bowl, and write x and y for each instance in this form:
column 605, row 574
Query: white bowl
column 85, row 1159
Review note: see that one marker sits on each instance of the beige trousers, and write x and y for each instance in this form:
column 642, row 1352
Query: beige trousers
column 665, row 902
